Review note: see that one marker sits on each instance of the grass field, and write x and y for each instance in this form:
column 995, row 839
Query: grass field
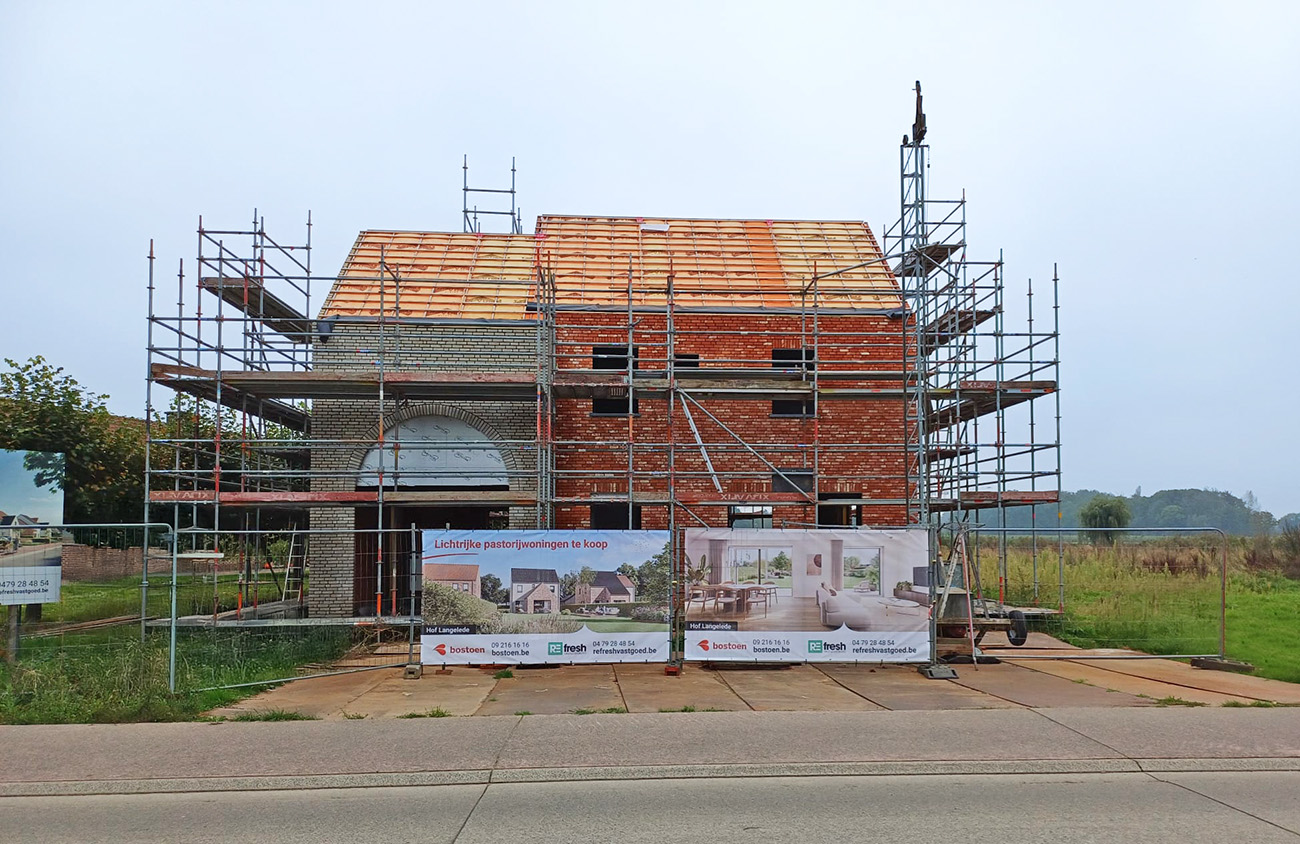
column 1163, row 597
column 518, row 623
column 90, row 601
column 110, row 676
column 621, row 625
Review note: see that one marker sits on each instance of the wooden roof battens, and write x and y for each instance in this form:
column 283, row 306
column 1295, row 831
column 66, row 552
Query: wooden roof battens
column 766, row 260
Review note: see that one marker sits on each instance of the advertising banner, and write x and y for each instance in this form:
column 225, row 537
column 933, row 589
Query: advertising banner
column 31, row 499
column 538, row 597
column 805, row 595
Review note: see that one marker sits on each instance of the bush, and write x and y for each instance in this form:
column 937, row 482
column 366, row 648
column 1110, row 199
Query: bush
column 657, row 615
column 444, row 605
column 626, row 610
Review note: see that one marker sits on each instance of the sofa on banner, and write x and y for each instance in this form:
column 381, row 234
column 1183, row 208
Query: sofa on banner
column 764, row 595
column 539, row 597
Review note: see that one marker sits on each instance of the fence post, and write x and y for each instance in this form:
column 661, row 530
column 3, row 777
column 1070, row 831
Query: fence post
column 173, row 540
column 144, row 579
column 11, row 655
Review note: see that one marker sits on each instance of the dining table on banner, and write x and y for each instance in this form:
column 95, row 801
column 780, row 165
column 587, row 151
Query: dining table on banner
column 741, row 593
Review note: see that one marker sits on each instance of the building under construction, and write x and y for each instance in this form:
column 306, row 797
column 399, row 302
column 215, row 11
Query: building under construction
column 602, row 372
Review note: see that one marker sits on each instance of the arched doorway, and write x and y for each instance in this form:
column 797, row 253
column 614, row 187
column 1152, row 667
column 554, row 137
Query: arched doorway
column 431, row 453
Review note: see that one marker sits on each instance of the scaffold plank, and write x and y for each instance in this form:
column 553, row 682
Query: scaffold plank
column 250, row 296
column 256, row 384
column 306, row 498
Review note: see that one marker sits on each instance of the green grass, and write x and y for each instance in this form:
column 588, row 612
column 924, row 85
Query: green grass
column 273, row 715
column 522, row 623
column 436, row 712
column 523, row 712
column 110, row 599
column 1175, row 701
column 110, row 676
column 620, row 625
column 504, row 674
column 687, row 708
column 1163, row 597
column 1263, row 617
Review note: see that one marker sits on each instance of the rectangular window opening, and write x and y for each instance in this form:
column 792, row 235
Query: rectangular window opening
column 614, row 358
column 749, row 516
column 839, row 515
column 795, row 480
column 793, row 359
column 614, row 516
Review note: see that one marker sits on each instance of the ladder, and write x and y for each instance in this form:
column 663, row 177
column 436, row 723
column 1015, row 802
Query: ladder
column 959, row 558
column 295, row 565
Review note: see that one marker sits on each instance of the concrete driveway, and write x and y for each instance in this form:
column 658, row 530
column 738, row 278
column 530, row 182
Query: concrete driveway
column 1085, row 681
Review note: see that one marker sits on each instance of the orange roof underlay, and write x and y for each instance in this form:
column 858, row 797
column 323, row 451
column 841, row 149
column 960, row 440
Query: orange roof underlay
column 713, row 263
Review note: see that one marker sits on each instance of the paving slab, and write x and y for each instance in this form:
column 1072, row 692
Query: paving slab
column 701, row 738
column 1182, row 674
column 647, row 689
column 1177, row 732
column 1131, row 684
column 902, row 687
column 318, row 697
column 1036, row 689
column 555, row 691
column 158, row 751
column 799, row 688
column 460, row 693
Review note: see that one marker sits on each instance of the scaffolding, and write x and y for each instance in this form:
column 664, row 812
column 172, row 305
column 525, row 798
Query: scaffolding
column 690, row 383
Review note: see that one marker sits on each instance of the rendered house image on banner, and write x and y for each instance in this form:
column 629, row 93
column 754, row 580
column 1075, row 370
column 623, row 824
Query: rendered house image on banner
column 547, row 597
column 814, row 595
column 31, row 499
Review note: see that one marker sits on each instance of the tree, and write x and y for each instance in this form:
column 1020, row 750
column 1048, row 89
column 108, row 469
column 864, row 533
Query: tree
column 654, row 577
column 44, row 410
column 1105, row 511
column 491, row 589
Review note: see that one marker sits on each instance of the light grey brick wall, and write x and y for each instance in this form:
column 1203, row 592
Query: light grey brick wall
column 352, row 425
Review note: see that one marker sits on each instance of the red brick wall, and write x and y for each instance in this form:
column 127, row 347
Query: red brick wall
column 860, row 442
column 84, row 563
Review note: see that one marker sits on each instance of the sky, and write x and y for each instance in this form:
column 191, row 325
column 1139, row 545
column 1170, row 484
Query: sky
column 19, row 494
column 1145, row 149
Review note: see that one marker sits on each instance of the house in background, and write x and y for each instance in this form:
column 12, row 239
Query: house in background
column 609, row 587
column 20, row 528
column 534, row 591
column 459, row 576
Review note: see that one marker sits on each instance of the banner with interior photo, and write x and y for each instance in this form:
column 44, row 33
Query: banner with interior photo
column 31, row 550
column 539, row 597
column 766, row 595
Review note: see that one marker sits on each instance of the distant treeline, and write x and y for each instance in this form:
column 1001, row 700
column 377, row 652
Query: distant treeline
column 1167, row 508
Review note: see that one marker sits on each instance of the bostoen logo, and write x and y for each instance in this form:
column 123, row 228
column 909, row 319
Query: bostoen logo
column 555, row 649
column 815, row 646
column 443, row 649
column 706, row 645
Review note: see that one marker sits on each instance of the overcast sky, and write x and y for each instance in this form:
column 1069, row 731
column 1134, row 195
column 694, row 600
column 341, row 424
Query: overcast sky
column 1148, row 148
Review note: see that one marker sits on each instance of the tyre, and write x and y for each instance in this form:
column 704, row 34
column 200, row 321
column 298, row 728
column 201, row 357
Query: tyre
column 1019, row 632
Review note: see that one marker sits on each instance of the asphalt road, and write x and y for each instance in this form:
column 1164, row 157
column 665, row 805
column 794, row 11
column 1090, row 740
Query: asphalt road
column 1254, row 807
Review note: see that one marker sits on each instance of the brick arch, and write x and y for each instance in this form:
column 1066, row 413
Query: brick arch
column 514, row 465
